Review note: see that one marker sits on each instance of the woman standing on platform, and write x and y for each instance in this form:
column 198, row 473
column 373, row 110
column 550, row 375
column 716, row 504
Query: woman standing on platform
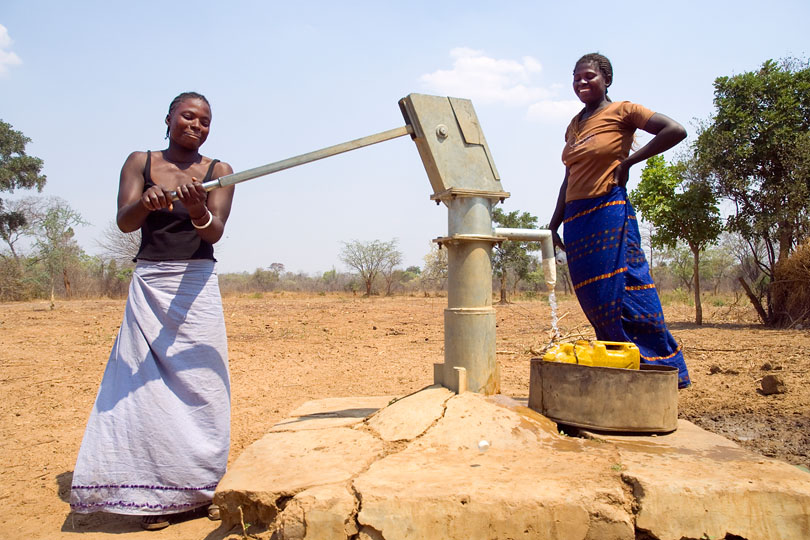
column 608, row 269
column 158, row 436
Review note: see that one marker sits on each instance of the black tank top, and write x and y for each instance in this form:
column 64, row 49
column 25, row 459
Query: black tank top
column 169, row 235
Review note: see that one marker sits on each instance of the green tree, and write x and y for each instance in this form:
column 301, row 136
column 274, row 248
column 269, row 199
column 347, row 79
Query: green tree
column 17, row 171
column 511, row 257
column 389, row 270
column 330, row 279
column 115, row 278
column 434, row 274
column 718, row 264
column 56, row 246
column 410, row 276
column 267, row 279
column 30, row 211
column 756, row 151
column 680, row 265
column 21, row 275
column 369, row 259
column 681, row 206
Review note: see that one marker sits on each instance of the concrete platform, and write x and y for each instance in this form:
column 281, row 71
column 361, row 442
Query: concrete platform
column 413, row 470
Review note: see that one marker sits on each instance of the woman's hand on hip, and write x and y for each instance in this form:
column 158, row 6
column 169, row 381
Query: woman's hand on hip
column 621, row 174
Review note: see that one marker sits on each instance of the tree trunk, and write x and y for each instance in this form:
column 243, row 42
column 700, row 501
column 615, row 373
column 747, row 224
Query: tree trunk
column 503, row 288
column 776, row 302
column 569, row 285
column 688, row 282
column 698, row 306
column 66, row 281
column 785, row 241
column 754, row 300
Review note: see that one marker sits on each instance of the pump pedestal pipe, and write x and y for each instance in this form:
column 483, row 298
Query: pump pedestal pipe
column 469, row 320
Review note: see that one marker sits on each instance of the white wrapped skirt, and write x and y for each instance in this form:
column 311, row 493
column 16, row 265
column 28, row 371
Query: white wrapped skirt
column 158, row 436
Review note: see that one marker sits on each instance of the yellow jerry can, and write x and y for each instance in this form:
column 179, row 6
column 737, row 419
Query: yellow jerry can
column 615, row 354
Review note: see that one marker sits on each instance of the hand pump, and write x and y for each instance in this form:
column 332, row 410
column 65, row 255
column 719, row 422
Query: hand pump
column 463, row 176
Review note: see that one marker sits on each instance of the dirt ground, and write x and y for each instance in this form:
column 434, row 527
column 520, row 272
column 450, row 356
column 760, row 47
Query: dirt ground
column 288, row 348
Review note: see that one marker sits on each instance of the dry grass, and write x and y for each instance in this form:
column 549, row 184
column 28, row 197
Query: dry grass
column 791, row 287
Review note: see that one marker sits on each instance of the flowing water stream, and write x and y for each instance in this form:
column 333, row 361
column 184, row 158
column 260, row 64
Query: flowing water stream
column 552, row 301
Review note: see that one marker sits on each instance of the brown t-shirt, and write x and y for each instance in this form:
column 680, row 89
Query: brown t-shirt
column 595, row 147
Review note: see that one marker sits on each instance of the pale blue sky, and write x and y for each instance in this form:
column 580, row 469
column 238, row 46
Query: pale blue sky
column 91, row 81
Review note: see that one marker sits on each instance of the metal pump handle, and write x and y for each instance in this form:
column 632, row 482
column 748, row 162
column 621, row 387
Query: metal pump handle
column 288, row 163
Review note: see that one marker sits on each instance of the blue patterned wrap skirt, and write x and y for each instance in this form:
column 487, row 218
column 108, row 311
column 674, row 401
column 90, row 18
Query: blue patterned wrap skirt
column 612, row 279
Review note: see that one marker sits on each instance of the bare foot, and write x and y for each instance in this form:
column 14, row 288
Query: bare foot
column 154, row 523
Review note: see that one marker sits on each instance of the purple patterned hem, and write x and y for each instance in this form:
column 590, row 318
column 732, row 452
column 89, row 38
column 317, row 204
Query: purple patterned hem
column 137, row 486
column 124, row 504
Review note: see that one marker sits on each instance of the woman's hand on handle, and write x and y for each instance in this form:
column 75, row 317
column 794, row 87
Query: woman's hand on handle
column 193, row 196
column 218, row 202
column 156, row 198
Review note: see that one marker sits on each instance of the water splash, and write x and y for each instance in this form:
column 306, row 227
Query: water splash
column 552, row 301
column 561, row 259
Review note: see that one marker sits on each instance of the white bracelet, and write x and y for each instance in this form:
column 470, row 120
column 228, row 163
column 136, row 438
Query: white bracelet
column 207, row 223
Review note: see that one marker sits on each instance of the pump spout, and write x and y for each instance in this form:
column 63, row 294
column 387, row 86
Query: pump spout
column 546, row 248
column 550, row 273
column 549, row 262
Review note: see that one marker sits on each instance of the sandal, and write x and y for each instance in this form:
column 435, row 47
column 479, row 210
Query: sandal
column 154, row 522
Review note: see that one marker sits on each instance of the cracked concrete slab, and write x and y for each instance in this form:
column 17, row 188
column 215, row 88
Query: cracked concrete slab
column 409, row 417
column 320, row 513
column 383, row 478
column 728, row 489
column 523, row 486
column 271, row 471
column 332, row 412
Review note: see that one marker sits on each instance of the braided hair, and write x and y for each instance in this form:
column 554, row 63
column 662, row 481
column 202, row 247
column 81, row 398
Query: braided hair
column 602, row 64
column 180, row 99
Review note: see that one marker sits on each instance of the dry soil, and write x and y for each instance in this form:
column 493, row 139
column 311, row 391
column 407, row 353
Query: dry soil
column 288, row 348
